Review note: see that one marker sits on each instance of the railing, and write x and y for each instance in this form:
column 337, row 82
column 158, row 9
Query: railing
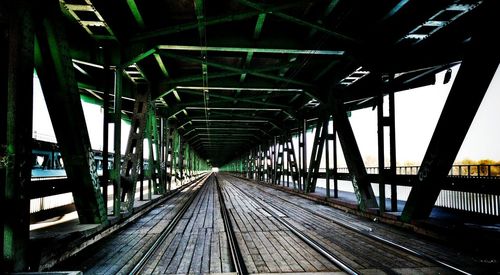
column 460, row 170
column 471, row 188
column 43, row 137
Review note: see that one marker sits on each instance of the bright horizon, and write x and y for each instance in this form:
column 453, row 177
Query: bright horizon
column 417, row 113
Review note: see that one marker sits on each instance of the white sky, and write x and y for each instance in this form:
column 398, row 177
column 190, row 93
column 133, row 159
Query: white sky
column 417, row 113
column 42, row 126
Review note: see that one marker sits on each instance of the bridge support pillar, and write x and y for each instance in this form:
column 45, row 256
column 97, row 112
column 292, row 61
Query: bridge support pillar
column 16, row 110
column 55, row 70
column 471, row 83
column 385, row 122
column 362, row 186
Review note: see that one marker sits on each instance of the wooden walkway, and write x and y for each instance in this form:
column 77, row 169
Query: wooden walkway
column 365, row 254
column 198, row 243
column 266, row 245
column 119, row 252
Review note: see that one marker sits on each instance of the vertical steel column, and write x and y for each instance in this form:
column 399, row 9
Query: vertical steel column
column 317, row 152
column 169, row 155
column 105, row 82
column 117, row 143
column 381, row 151
column 293, row 167
column 275, row 161
column 335, row 166
column 133, row 160
column 383, row 123
column 303, row 156
column 392, row 142
column 163, row 152
column 180, row 160
column 327, row 160
column 17, row 160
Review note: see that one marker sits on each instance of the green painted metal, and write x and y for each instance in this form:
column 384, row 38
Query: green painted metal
column 138, row 58
column 213, row 21
column 55, row 69
column 301, row 22
column 153, row 172
column 162, row 66
column 226, row 74
column 234, row 69
column 250, row 50
column 326, row 13
column 361, row 184
column 115, row 174
column 255, row 101
column 317, row 152
column 15, row 165
column 259, row 25
column 456, row 118
column 133, row 159
column 135, row 11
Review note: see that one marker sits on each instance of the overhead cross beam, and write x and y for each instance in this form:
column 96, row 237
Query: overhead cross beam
column 251, row 50
column 214, row 21
column 234, row 69
column 301, row 22
column 135, row 11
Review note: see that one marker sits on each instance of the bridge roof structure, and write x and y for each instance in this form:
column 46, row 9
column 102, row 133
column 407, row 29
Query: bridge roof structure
column 232, row 74
column 237, row 84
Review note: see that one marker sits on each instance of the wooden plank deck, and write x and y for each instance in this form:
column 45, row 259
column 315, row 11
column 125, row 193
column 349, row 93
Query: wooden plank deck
column 362, row 252
column 266, row 245
column 198, row 244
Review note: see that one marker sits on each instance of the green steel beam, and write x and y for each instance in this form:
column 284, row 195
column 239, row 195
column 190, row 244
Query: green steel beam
column 214, row 21
column 63, row 102
column 231, row 120
column 242, row 89
column 301, row 22
column 233, row 69
column 220, row 129
column 161, row 65
column 138, row 58
column 248, row 59
column 171, row 83
column 480, row 63
column 230, row 99
column 15, row 165
column 135, row 11
column 250, row 50
column 218, row 114
column 326, row 13
column 395, row 9
column 259, row 25
column 234, row 109
column 362, row 186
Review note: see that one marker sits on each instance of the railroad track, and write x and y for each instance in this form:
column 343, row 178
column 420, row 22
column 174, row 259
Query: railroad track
column 305, row 238
column 278, row 203
column 151, row 253
column 366, row 231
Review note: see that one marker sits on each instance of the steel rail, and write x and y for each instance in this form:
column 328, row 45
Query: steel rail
column 167, row 230
column 238, row 260
column 367, row 233
column 312, row 243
